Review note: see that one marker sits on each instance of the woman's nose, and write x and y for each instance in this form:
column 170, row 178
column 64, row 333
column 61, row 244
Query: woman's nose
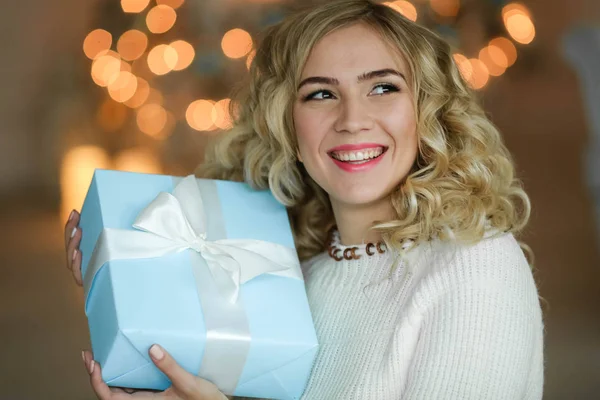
column 354, row 116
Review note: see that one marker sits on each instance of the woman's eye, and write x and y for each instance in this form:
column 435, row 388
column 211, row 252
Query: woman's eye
column 385, row 88
column 319, row 95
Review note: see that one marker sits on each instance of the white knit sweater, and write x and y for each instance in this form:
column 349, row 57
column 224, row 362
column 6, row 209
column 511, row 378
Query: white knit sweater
column 449, row 322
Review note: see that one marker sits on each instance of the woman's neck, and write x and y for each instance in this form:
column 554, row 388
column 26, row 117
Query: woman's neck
column 353, row 221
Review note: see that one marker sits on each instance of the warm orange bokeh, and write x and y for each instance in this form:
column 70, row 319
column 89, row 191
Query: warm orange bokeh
column 151, row 119
column 489, row 55
column 480, row 76
column 403, row 7
column 445, row 8
column 160, row 18
column 220, row 114
column 162, row 59
column 123, row 88
column 507, row 47
column 96, row 42
column 175, row 4
column 141, row 94
column 132, row 44
column 521, row 28
column 77, row 169
column 134, row 6
column 106, row 68
column 464, row 66
column 185, row 54
column 199, row 115
column 236, row 43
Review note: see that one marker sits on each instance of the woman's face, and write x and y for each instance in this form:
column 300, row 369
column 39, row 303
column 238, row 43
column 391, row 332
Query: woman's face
column 354, row 117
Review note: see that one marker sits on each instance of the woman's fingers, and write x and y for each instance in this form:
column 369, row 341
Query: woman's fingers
column 76, row 268
column 71, row 223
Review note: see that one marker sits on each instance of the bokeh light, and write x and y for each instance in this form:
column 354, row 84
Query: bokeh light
column 96, row 42
column 160, row 18
column 134, row 6
column 141, row 94
column 464, row 66
column 507, row 47
column 199, row 115
column 155, row 97
column 480, row 75
column 521, row 28
column 494, row 59
column 236, row 43
column 220, row 114
column 106, row 68
column 185, row 54
column 175, row 4
column 403, row 7
column 138, row 159
column 445, row 8
column 123, row 88
column 151, row 119
column 162, row 59
column 77, row 169
column 132, row 44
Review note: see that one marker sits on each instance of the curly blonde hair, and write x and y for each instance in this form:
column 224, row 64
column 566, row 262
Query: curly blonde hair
column 462, row 182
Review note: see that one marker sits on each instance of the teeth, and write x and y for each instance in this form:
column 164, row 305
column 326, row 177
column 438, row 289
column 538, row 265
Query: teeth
column 357, row 155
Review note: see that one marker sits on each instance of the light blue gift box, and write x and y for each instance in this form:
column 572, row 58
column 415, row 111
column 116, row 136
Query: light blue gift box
column 135, row 303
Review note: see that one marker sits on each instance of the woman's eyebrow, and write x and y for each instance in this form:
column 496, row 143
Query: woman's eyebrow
column 380, row 73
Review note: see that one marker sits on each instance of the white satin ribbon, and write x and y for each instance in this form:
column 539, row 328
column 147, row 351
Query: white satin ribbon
column 176, row 222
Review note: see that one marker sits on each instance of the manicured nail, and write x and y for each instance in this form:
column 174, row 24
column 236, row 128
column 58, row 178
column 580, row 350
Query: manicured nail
column 74, row 254
column 92, row 364
column 73, row 231
column 156, row 352
column 71, row 215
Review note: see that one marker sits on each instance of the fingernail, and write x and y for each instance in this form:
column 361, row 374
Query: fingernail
column 71, row 215
column 73, row 231
column 92, row 364
column 83, row 356
column 156, row 352
column 74, row 254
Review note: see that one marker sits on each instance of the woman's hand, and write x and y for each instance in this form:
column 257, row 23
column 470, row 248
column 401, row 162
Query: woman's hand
column 185, row 386
column 72, row 239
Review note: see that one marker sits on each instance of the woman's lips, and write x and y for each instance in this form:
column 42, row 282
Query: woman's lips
column 357, row 160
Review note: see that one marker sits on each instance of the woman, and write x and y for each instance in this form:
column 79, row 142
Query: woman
column 403, row 202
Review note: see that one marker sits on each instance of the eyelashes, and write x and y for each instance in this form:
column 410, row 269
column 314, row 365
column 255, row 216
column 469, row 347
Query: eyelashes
column 389, row 87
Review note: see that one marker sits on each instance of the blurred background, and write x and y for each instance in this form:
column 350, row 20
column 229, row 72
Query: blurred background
column 141, row 85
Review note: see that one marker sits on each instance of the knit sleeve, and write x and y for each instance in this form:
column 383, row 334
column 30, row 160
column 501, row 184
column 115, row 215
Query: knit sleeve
column 478, row 341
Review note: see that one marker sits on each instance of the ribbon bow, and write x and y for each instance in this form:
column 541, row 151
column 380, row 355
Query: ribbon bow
column 176, row 222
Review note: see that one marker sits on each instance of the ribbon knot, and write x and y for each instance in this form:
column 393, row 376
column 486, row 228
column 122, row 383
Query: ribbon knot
column 176, row 222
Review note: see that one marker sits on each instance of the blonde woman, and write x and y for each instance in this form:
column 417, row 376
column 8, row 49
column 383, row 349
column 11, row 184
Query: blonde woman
column 404, row 207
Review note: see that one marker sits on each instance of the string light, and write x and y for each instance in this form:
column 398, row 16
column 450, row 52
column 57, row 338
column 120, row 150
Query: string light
column 151, row 119
column 518, row 23
column 199, row 115
column 160, row 18
column 141, row 94
column 96, row 43
column 134, row 6
column 185, row 54
column 132, row 44
column 236, row 43
column 162, row 59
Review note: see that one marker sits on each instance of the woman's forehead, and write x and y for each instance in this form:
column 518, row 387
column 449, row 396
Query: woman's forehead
column 351, row 50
